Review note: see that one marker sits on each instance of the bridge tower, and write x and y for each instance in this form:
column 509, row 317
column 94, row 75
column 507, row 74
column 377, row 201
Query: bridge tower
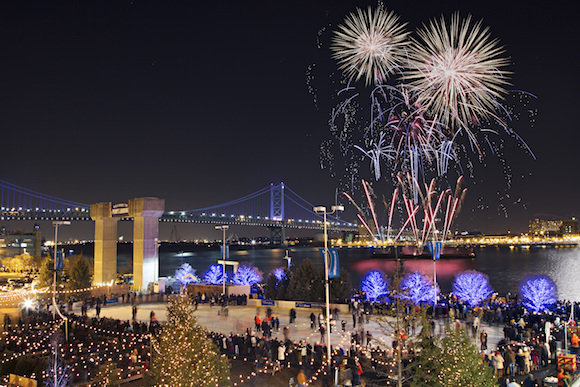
column 145, row 213
column 105, row 256
column 277, row 234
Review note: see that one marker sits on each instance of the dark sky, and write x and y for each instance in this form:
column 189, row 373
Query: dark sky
column 203, row 102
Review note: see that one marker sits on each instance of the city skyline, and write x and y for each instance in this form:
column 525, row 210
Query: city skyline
column 201, row 104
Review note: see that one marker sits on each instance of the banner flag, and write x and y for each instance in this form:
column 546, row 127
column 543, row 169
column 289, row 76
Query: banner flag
column 59, row 260
column 227, row 256
column 334, row 270
column 333, row 265
column 435, row 249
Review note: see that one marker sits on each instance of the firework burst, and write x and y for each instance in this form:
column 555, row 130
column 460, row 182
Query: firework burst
column 457, row 70
column 370, row 44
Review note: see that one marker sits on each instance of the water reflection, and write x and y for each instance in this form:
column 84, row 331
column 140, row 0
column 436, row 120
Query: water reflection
column 505, row 267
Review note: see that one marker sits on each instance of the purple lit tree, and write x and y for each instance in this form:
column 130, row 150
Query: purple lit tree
column 539, row 293
column 472, row 287
column 279, row 273
column 375, row 286
column 247, row 275
column 418, row 288
column 186, row 275
column 214, row 275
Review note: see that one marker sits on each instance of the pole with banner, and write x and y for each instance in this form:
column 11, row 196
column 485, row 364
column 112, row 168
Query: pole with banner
column 333, row 266
column 435, row 250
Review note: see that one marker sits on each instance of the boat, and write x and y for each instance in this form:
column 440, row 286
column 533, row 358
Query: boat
column 412, row 252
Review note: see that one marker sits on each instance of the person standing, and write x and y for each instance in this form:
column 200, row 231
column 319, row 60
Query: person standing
column 258, row 322
column 498, row 364
column 510, row 359
column 134, row 311
column 483, row 340
column 98, row 310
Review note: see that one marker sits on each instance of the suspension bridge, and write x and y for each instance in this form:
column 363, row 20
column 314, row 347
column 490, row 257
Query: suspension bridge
column 274, row 206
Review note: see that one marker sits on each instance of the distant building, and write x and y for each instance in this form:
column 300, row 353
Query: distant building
column 16, row 243
column 554, row 227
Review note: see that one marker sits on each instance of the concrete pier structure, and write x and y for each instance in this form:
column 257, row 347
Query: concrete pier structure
column 145, row 213
column 105, row 256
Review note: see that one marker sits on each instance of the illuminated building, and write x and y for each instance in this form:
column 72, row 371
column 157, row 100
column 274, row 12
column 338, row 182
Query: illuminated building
column 14, row 243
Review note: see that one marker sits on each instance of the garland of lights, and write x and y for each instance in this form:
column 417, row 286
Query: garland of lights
column 33, row 346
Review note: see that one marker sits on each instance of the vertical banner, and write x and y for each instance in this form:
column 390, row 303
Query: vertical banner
column 59, row 260
column 333, row 265
column 435, row 249
column 334, row 270
column 227, row 255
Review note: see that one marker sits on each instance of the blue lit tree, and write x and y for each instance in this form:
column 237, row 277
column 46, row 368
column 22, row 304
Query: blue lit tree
column 472, row 287
column 538, row 293
column 279, row 273
column 375, row 286
column 277, row 284
column 418, row 288
column 214, row 275
column 247, row 275
column 186, row 275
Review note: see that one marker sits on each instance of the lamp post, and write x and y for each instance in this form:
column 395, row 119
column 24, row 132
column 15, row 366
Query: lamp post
column 223, row 227
column 56, row 224
column 322, row 210
column 54, row 304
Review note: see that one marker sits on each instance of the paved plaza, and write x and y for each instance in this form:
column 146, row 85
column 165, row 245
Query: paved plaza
column 242, row 317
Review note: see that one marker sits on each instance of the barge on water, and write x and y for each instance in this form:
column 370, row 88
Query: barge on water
column 412, row 252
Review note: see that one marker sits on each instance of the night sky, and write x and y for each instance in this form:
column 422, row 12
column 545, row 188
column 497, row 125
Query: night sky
column 203, row 102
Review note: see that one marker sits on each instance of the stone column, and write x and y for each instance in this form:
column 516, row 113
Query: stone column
column 105, row 256
column 145, row 213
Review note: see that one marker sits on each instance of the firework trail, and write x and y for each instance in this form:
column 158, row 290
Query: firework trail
column 370, row 44
column 436, row 205
column 457, row 70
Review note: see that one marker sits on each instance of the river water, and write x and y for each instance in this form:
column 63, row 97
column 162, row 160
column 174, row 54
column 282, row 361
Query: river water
column 505, row 267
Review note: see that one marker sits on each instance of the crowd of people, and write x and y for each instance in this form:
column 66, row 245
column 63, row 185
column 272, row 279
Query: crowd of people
column 527, row 351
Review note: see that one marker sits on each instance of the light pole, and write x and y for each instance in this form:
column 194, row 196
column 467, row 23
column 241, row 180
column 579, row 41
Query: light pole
column 56, row 224
column 322, row 210
column 54, row 304
column 223, row 227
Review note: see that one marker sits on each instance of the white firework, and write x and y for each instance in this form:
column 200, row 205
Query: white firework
column 457, row 69
column 370, row 44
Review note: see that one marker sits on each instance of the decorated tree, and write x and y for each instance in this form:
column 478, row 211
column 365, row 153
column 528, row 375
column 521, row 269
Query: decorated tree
column 215, row 275
column 279, row 273
column 247, row 274
column 418, row 289
column 186, row 275
column 183, row 354
column 451, row 362
column 374, row 286
column 538, row 293
column 472, row 287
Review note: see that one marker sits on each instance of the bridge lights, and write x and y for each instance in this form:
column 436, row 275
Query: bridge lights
column 322, row 210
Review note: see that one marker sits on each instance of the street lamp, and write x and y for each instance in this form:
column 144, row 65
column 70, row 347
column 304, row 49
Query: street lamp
column 56, row 224
column 322, row 210
column 54, row 304
column 223, row 227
